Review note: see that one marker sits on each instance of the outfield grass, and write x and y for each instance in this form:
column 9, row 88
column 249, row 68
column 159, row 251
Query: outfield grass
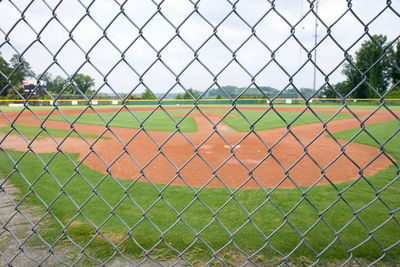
column 271, row 120
column 158, row 120
column 89, row 206
column 30, row 132
column 350, row 105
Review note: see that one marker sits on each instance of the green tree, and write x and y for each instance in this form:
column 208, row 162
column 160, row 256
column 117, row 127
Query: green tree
column 338, row 90
column 395, row 93
column 5, row 71
column 14, row 72
column 328, row 92
column 147, row 94
column 396, row 65
column 190, row 94
column 83, row 82
column 218, row 96
column 373, row 61
column 21, row 70
column 56, row 85
column 178, row 97
column 12, row 92
column 343, row 88
column 133, row 96
column 89, row 92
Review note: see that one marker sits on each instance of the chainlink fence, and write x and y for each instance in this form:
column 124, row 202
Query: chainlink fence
column 250, row 177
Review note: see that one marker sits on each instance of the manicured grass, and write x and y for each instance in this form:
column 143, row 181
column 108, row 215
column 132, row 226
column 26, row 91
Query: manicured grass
column 117, row 212
column 271, row 120
column 158, row 120
column 380, row 131
column 351, row 105
column 30, row 132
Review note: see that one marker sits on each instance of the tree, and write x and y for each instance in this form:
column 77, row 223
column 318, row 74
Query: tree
column 218, row 96
column 83, row 82
column 373, row 61
column 133, row 96
column 341, row 89
column 12, row 92
column 147, row 94
column 395, row 93
column 328, row 92
column 56, row 85
column 190, row 94
column 395, row 73
column 89, row 92
column 21, row 70
column 4, row 73
column 178, row 96
column 14, row 71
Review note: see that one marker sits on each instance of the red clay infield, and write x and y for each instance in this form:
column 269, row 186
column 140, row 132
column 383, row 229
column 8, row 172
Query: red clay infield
column 209, row 160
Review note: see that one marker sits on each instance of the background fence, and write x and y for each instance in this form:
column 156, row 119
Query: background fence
column 266, row 180
column 254, row 101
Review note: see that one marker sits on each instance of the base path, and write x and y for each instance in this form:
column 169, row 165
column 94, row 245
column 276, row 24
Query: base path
column 301, row 156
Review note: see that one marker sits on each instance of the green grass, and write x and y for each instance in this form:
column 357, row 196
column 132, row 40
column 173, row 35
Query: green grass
column 351, row 105
column 30, row 132
column 267, row 218
column 380, row 131
column 158, row 120
column 272, row 120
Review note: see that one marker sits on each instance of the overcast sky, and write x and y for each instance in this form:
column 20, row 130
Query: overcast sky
column 195, row 31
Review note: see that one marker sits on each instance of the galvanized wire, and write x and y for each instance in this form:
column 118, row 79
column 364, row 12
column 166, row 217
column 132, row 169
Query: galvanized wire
column 51, row 248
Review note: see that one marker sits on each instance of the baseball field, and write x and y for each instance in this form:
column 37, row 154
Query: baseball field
column 256, row 179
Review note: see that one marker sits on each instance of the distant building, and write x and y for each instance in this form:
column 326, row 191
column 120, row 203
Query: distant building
column 31, row 87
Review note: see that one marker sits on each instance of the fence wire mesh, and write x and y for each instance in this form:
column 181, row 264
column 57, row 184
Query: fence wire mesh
column 264, row 182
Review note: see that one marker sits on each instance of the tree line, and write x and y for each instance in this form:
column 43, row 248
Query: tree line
column 372, row 72
column 12, row 73
column 17, row 69
column 147, row 94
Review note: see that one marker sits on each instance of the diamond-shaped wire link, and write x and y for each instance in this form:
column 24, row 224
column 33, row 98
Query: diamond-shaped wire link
column 192, row 198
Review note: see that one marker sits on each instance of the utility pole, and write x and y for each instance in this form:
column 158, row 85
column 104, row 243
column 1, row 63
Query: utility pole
column 315, row 44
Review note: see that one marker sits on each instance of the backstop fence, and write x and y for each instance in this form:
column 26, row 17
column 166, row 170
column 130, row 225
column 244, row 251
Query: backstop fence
column 215, row 178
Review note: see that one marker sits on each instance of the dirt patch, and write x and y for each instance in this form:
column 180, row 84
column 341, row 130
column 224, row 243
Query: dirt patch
column 222, row 156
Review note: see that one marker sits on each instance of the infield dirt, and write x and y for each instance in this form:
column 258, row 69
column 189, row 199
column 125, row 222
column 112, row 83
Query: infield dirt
column 301, row 155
